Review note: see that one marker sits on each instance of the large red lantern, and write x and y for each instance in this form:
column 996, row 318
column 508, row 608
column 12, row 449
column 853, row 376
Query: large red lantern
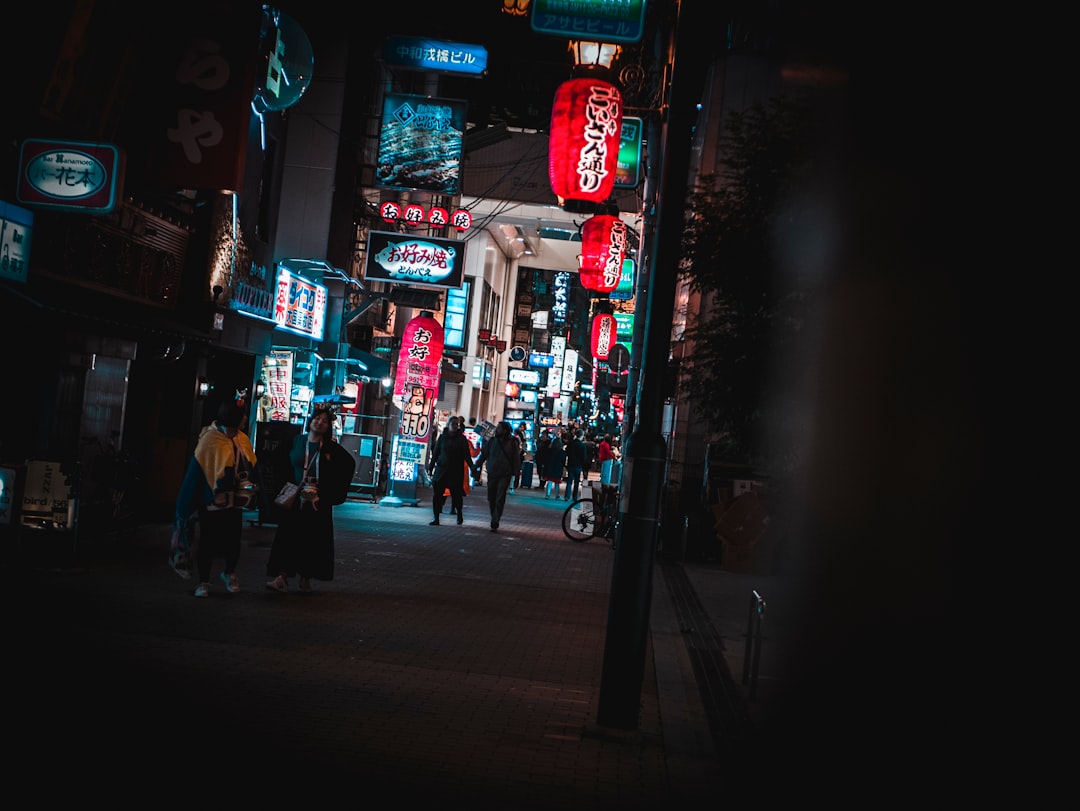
column 583, row 151
column 604, row 332
column 417, row 386
column 603, row 247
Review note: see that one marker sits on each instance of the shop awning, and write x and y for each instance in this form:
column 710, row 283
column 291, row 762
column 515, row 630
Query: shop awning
column 365, row 365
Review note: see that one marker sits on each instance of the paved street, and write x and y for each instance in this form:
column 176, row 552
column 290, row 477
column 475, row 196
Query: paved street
column 441, row 662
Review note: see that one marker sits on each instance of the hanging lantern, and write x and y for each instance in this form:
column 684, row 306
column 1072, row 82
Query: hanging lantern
column 604, row 332
column 603, row 247
column 583, row 151
column 417, row 386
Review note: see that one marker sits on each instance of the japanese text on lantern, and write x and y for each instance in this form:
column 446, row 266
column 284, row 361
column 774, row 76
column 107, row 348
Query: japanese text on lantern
column 614, row 259
column 601, row 121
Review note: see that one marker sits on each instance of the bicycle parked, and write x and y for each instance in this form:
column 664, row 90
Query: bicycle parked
column 588, row 518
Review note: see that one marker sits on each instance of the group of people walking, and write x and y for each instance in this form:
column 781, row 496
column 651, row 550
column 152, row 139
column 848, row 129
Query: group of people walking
column 452, row 460
column 220, row 472
column 567, row 457
column 218, row 483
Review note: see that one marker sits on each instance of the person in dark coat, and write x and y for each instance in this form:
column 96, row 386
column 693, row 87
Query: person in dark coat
column 304, row 541
column 577, row 461
column 450, row 460
column 551, row 470
column 502, row 453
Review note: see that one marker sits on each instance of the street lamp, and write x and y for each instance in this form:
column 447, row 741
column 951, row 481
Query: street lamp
column 593, row 56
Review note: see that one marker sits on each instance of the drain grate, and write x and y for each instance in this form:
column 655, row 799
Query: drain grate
column 722, row 698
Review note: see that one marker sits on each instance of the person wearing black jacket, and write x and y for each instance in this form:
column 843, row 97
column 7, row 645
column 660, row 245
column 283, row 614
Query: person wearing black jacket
column 304, row 541
column 577, row 461
column 502, row 453
column 449, row 461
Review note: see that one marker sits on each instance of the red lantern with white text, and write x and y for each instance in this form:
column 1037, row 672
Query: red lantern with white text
column 583, row 150
column 604, row 329
column 603, row 247
column 417, row 386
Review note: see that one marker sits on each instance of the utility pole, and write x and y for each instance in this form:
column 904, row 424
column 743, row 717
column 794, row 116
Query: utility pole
column 645, row 455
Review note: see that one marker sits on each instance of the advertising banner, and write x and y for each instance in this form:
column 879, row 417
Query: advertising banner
column 421, row 144
column 300, row 305
column 404, row 259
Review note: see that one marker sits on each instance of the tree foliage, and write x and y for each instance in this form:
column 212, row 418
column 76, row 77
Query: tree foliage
column 748, row 248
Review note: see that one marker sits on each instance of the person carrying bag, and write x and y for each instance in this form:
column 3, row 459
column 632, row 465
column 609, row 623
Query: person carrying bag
column 320, row 471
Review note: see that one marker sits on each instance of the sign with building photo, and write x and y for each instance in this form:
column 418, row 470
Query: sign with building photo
column 414, row 260
column 421, row 144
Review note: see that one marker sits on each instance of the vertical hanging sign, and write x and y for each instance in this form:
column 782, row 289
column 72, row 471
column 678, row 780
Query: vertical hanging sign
column 415, row 391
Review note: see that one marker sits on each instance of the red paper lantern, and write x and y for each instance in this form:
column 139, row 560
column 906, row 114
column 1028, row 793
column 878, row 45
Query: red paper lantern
column 604, row 329
column 583, row 150
column 417, row 386
column 603, row 247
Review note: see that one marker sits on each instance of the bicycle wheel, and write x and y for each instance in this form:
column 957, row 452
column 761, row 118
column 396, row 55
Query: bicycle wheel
column 579, row 520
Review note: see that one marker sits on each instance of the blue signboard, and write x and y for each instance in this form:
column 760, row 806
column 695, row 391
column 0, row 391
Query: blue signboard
column 600, row 20
column 418, row 53
column 541, row 359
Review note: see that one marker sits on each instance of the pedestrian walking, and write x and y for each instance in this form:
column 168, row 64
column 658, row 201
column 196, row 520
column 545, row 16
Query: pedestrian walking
column 576, row 462
column 519, row 435
column 552, row 467
column 606, row 456
column 450, row 461
column 222, row 461
column 502, row 454
column 304, row 542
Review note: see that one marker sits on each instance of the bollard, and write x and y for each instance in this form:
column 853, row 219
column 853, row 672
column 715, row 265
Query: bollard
column 752, row 652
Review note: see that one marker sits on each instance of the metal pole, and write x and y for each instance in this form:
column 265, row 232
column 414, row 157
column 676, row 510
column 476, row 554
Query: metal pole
column 645, row 455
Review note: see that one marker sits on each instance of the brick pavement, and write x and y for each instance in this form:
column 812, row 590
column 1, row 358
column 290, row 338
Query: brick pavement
column 441, row 663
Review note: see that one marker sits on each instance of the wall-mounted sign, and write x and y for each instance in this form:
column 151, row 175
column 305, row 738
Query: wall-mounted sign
column 204, row 94
column 299, row 305
column 401, row 258
column 601, row 20
column 541, row 360
column 625, row 290
column 526, row 377
column 561, row 290
column 628, row 167
column 418, row 53
column 518, row 353
column 16, row 229
column 288, row 62
column 421, row 144
column 69, row 175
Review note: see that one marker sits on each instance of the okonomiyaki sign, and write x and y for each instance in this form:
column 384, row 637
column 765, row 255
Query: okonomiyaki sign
column 425, row 261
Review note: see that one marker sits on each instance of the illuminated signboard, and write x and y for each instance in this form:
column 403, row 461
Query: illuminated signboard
column 526, row 377
column 417, row 53
column 628, row 168
column 405, row 259
column 69, row 175
column 299, row 305
column 625, row 290
column 541, row 360
column 601, row 20
column 421, row 144
column 561, row 289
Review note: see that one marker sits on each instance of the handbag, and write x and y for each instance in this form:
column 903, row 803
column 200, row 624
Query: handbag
column 246, row 492
column 286, row 497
